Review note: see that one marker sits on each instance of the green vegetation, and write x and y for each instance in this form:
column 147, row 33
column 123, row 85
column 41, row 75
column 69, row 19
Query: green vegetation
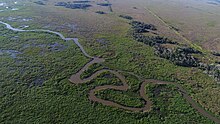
column 104, row 4
column 133, row 82
column 140, row 27
column 142, row 61
column 181, row 56
column 100, row 12
column 92, row 69
column 74, row 5
column 178, row 56
column 126, row 17
column 56, row 100
column 40, row 2
column 211, row 24
column 106, row 78
column 128, row 99
column 215, row 53
column 40, row 57
column 81, row 1
column 34, row 84
column 168, row 102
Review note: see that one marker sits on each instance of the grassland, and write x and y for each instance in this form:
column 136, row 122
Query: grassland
column 34, row 86
column 197, row 22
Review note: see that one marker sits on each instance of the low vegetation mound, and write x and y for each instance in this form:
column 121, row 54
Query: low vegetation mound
column 178, row 56
column 82, row 1
column 126, row 17
column 100, row 12
column 40, row 2
column 104, row 4
column 213, row 70
column 215, row 53
column 152, row 40
column 61, row 4
column 74, row 5
column 141, row 27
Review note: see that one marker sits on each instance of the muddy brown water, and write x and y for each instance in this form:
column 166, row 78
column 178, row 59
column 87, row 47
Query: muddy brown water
column 75, row 79
column 92, row 93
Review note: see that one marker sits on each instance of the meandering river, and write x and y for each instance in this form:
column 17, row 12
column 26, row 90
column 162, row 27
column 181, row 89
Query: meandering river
column 75, row 78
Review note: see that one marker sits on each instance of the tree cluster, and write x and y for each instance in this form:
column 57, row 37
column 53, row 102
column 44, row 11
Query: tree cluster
column 216, row 53
column 178, row 56
column 141, row 27
column 181, row 56
column 73, row 5
column 104, row 4
column 82, row 1
column 152, row 40
column 126, row 17
column 212, row 70
column 39, row 3
column 100, row 12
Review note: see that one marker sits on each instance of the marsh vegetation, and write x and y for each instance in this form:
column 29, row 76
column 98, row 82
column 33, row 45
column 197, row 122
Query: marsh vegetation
column 35, row 67
column 74, row 5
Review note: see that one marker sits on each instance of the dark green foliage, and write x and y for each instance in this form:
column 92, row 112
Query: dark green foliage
column 38, row 59
column 188, row 50
column 125, row 98
column 61, row 4
column 59, row 101
column 105, row 78
column 100, row 12
column 212, row 69
column 39, row 3
column 152, row 40
column 216, row 53
column 126, row 17
column 78, row 6
column 174, row 28
column 168, row 102
column 104, row 4
column 108, row 4
column 73, row 5
column 82, row 1
column 140, row 27
column 178, row 56
column 92, row 69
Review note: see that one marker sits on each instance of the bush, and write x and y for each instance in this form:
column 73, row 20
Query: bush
column 73, row 5
column 126, row 17
column 100, row 12
column 140, row 27
column 39, row 3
